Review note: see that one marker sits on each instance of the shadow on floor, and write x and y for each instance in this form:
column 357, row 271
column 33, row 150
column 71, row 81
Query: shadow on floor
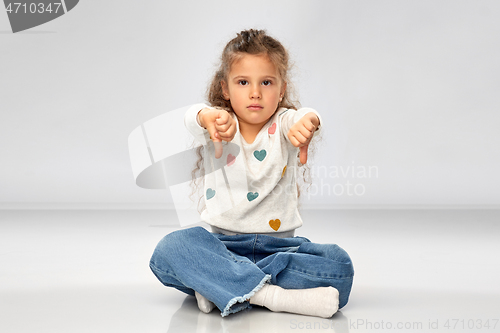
column 189, row 319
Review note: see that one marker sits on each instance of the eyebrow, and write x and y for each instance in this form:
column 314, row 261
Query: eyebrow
column 246, row 77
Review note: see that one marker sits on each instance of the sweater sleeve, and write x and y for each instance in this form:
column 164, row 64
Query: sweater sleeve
column 190, row 121
column 290, row 117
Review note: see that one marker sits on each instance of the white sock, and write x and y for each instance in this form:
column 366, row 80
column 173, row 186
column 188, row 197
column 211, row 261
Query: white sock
column 204, row 304
column 319, row 302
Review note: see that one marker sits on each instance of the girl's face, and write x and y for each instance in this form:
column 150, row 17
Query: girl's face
column 254, row 89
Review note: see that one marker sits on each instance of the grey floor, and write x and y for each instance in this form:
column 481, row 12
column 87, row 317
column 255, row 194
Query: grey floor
column 87, row 271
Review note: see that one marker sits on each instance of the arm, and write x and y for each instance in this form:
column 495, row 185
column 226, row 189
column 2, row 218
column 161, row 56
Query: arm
column 218, row 124
column 198, row 132
column 300, row 127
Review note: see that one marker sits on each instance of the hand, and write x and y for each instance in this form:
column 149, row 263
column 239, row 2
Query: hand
column 220, row 126
column 301, row 133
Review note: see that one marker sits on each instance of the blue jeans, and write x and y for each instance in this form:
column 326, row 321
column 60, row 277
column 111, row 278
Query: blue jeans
column 228, row 270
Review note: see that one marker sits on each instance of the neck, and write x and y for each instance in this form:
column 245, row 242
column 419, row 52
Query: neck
column 249, row 134
column 249, row 131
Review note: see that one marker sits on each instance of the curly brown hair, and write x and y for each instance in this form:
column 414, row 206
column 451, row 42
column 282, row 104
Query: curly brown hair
column 255, row 42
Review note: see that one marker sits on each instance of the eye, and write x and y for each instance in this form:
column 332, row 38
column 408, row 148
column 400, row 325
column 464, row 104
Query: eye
column 243, row 82
column 266, row 83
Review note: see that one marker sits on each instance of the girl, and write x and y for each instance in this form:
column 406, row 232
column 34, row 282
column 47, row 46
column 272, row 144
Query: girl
column 252, row 134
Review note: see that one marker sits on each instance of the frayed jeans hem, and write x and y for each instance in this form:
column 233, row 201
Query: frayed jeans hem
column 240, row 299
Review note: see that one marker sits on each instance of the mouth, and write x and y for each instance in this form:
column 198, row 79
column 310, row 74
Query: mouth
column 255, row 107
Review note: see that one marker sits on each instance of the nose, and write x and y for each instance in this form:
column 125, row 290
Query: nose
column 255, row 92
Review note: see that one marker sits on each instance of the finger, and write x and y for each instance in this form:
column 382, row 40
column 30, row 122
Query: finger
column 230, row 133
column 225, row 137
column 225, row 124
column 222, row 117
column 305, row 132
column 309, row 126
column 233, row 128
column 300, row 137
column 216, row 139
column 217, row 144
column 218, row 149
column 222, row 127
column 227, row 134
column 222, row 135
column 293, row 140
column 303, row 154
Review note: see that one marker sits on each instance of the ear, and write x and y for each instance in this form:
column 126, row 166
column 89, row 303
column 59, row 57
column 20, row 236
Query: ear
column 283, row 88
column 225, row 90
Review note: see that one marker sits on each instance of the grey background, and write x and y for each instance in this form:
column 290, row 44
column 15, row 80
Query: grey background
column 410, row 87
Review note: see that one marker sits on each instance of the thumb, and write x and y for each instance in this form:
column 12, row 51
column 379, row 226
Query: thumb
column 214, row 135
column 303, row 154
